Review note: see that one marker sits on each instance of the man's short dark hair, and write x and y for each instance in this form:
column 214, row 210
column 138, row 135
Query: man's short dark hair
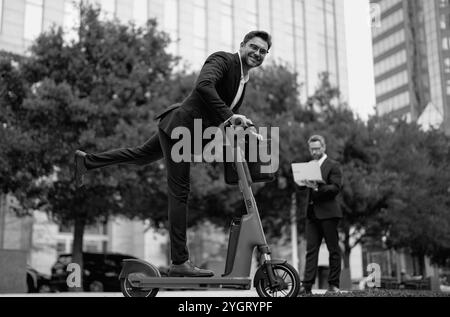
column 317, row 138
column 262, row 34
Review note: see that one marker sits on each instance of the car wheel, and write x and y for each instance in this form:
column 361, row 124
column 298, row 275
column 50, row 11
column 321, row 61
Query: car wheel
column 96, row 286
column 45, row 288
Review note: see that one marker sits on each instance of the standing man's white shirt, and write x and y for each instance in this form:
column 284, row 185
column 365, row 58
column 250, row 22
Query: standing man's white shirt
column 322, row 159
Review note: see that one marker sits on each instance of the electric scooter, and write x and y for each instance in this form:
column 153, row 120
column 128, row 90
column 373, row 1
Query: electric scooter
column 274, row 278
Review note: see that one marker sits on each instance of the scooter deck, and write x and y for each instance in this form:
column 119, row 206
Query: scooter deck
column 190, row 282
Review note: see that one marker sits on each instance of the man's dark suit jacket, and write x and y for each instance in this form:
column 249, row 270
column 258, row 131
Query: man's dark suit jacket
column 325, row 200
column 211, row 98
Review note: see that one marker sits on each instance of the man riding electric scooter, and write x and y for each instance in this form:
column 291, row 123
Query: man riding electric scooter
column 215, row 99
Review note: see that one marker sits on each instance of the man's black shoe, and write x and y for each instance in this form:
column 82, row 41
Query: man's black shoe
column 332, row 289
column 80, row 167
column 187, row 269
column 304, row 291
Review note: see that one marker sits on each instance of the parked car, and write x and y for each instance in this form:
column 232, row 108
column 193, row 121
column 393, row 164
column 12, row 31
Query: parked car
column 100, row 271
column 37, row 282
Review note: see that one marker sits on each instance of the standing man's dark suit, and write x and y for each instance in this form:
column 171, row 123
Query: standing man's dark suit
column 214, row 92
column 322, row 218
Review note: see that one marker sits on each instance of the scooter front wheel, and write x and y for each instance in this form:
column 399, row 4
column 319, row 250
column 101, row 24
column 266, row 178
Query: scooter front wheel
column 137, row 270
column 288, row 282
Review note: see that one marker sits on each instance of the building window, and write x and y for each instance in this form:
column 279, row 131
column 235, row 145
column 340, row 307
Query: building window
column 61, row 247
column 329, row 19
column 444, row 21
column 397, row 102
column 388, row 43
column 448, row 86
column 65, row 229
column 199, row 32
column 200, row 19
column 444, row 3
column 1, row 15
column 390, row 63
column 171, row 16
column 447, row 65
column 92, row 246
column 171, row 23
column 71, row 20
column 33, row 19
column 97, row 229
column 391, row 83
column 226, row 24
column 108, row 8
column 388, row 23
column 446, row 43
column 387, row 4
column 140, row 11
column 251, row 14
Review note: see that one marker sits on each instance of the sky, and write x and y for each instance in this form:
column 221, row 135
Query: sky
column 359, row 57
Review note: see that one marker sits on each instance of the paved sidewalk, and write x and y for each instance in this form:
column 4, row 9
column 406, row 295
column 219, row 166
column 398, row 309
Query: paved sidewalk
column 187, row 293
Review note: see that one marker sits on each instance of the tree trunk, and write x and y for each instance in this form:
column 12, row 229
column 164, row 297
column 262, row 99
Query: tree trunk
column 347, row 247
column 346, row 258
column 294, row 235
column 346, row 280
column 77, row 251
column 302, row 256
column 421, row 260
column 2, row 217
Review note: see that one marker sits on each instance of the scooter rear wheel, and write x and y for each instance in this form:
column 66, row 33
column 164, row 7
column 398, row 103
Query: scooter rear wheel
column 139, row 270
column 287, row 277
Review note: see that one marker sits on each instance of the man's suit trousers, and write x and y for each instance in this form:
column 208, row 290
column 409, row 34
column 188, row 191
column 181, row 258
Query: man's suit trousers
column 155, row 148
column 316, row 230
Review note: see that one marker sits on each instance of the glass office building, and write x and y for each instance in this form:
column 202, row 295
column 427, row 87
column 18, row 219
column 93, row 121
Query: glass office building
column 411, row 49
column 308, row 35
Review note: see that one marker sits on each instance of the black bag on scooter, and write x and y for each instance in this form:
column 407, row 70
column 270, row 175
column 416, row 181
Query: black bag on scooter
column 230, row 173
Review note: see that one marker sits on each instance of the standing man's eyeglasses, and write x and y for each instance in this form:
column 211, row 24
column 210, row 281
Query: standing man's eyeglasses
column 256, row 48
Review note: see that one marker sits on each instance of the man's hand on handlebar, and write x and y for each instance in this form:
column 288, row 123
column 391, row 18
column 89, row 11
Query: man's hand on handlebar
column 240, row 120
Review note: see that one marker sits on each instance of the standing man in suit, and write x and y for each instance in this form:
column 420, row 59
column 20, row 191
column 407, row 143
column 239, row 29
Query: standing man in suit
column 322, row 217
column 215, row 99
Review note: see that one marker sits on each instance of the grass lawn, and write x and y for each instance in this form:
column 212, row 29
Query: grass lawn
column 386, row 293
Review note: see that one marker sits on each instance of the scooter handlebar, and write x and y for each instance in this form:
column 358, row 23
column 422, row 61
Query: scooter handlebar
column 238, row 122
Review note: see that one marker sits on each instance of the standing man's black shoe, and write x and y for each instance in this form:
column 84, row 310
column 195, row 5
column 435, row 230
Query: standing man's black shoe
column 332, row 289
column 80, row 167
column 304, row 291
column 187, row 269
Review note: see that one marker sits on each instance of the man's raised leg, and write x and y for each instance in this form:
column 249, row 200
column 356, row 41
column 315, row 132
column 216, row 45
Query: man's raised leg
column 144, row 154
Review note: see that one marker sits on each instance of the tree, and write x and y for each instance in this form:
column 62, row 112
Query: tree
column 367, row 188
column 418, row 218
column 20, row 150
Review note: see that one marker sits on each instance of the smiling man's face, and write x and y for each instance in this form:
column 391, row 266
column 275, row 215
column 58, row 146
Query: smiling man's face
column 253, row 52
